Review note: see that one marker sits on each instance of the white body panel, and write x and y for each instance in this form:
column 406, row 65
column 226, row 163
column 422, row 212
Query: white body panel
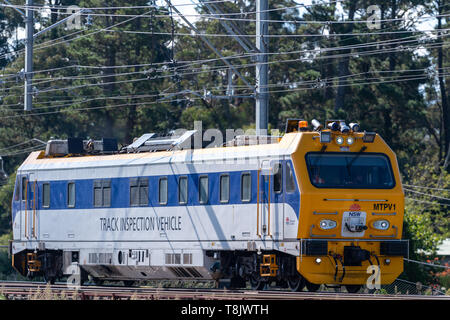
column 101, row 234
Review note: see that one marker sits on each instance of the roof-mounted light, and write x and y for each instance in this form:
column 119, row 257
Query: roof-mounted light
column 344, row 128
column 317, row 126
column 303, row 125
column 354, row 127
column 369, row 137
column 334, row 126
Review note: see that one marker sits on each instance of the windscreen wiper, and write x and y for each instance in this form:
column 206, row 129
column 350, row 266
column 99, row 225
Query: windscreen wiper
column 354, row 159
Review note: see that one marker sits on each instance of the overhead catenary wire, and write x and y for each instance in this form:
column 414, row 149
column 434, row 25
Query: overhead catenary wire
column 180, row 99
column 423, row 187
column 225, row 16
column 181, row 65
column 284, row 21
column 428, row 202
column 313, row 82
column 427, row 194
column 427, row 264
column 244, row 55
column 287, row 84
column 248, row 65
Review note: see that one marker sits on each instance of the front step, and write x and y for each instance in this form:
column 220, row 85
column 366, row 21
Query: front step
column 269, row 267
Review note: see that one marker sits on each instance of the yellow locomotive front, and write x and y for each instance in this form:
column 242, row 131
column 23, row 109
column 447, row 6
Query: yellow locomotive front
column 352, row 206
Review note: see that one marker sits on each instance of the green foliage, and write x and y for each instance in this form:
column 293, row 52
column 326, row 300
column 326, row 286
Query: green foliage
column 6, row 194
column 312, row 76
column 6, row 270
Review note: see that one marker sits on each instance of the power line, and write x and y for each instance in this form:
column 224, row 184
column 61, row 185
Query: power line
column 422, row 187
column 245, row 55
column 428, row 195
column 427, row 264
column 193, row 99
column 428, row 202
column 365, row 53
column 227, row 15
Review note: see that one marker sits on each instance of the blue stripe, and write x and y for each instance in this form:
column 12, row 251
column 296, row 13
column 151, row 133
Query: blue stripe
column 120, row 192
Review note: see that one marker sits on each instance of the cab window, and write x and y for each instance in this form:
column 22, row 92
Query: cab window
column 350, row 170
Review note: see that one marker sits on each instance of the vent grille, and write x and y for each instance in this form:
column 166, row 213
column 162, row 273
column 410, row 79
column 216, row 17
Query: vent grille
column 173, row 258
column 187, row 258
column 100, row 258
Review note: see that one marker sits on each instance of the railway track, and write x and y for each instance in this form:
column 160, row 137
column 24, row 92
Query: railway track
column 23, row 290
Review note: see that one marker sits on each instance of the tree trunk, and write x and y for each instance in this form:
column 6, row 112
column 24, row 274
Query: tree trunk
column 444, row 101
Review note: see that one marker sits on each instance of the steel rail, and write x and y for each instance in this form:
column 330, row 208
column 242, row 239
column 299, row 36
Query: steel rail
column 40, row 290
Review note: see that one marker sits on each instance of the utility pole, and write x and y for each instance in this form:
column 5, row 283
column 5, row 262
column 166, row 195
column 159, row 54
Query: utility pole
column 29, row 30
column 262, row 74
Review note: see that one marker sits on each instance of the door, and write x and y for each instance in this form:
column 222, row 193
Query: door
column 28, row 206
column 24, row 211
column 270, row 200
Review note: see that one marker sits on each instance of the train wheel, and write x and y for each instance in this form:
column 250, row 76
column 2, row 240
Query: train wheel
column 353, row 288
column 256, row 282
column 312, row 287
column 296, row 283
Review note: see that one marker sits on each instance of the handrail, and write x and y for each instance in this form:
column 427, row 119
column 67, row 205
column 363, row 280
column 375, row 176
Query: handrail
column 26, row 205
column 257, row 206
column 268, row 210
column 34, row 209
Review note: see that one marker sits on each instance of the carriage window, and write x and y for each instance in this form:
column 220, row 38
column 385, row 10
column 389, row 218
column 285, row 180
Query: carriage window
column 246, row 187
column 203, row 189
column 71, row 194
column 182, row 190
column 46, row 195
column 278, row 178
column 290, row 182
column 102, row 193
column 224, row 188
column 163, row 191
column 139, row 192
column 24, row 187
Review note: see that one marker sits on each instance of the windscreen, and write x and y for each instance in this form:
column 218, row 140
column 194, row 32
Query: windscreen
column 350, row 170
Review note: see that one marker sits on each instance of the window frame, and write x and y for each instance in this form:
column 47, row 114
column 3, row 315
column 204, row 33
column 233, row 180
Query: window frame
column 74, row 194
column 291, row 170
column 224, row 175
column 242, row 186
column 24, row 187
column 167, row 191
column 102, row 184
column 200, row 187
column 385, row 156
column 17, row 189
column 186, row 191
column 139, row 184
column 44, row 205
column 280, row 164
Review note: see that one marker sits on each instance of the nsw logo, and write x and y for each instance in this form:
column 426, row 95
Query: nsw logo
column 355, row 207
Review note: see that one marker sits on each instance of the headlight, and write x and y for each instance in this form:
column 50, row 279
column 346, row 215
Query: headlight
column 350, row 140
column 327, row 224
column 381, row 224
column 339, row 140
